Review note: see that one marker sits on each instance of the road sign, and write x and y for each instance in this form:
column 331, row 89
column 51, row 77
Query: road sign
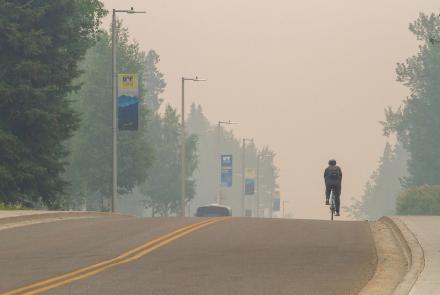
column 249, row 181
column 226, row 170
column 128, row 102
column 276, row 204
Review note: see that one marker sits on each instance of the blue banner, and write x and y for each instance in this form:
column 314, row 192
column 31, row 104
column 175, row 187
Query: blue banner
column 276, row 204
column 128, row 102
column 249, row 181
column 249, row 186
column 226, row 170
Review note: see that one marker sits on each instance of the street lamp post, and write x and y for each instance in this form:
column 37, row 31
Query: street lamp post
column 243, row 168
column 115, row 107
column 259, row 158
column 284, row 205
column 183, row 148
column 219, row 182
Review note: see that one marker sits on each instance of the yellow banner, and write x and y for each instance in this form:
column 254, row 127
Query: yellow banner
column 249, row 173
column 128, row 85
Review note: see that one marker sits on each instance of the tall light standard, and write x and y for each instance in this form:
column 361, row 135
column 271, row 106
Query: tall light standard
column 115, row 107
column 259, row 158
column 219, row 182
column 243, row 168
column 284, row 205
column 183, row 148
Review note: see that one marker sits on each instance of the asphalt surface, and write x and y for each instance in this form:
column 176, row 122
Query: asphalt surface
column 235, row 256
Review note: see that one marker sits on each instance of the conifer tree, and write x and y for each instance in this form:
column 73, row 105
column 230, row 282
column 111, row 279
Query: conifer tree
column 41, row 45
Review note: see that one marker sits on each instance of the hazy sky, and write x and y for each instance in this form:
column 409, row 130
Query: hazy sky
column 311, row 78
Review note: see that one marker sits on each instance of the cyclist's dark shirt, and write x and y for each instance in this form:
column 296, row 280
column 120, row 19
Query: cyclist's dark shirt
column 327, row 174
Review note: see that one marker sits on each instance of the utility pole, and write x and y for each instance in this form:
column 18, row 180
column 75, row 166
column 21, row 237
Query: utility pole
column 115, row 107
column 243, row 184
column 259, row 177
column 242, row 177
column 183, row 148
column 114, row 116
column 284, row 205
column 258, row 185
column 183, row 155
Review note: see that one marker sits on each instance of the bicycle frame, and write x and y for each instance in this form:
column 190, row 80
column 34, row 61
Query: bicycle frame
column 332, row 205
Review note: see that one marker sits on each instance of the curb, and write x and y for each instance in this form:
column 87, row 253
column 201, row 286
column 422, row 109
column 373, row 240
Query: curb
column 54, row 215
column 391, row 264
column 412, row 251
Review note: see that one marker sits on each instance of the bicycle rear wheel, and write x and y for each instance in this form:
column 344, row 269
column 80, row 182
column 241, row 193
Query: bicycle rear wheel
column 332, row 206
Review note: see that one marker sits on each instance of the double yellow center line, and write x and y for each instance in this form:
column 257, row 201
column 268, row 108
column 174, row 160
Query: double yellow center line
column 125, row 257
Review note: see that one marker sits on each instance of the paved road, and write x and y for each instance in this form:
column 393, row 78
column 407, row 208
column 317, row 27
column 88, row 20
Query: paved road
column 235, row 256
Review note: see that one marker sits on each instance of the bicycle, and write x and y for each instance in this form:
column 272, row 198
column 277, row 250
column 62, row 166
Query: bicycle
column 332, row 205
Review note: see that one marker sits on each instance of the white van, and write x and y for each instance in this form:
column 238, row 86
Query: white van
column 213, row 210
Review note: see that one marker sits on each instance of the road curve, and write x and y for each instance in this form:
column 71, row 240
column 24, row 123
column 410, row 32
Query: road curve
column 235, row 256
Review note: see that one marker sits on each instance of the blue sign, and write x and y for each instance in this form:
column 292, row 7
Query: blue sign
column 249, row 181
column 128, row 102
column 276, row 204
column 249, row 186
column 226, row 170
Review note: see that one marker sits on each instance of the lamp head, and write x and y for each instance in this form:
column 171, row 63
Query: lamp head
column 197, row 79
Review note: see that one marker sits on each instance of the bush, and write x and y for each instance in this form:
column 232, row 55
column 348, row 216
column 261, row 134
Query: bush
column 422, row 200
column 12, row 207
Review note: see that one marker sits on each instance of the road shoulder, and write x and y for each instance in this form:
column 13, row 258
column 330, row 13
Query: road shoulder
column 392, row 264
column 426, row 237
column 13, row 219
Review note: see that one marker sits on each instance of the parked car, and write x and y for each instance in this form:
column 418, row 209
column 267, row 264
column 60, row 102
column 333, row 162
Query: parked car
column 213, row 210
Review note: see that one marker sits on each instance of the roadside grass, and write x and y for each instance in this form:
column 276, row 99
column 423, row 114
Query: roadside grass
column 13, row 207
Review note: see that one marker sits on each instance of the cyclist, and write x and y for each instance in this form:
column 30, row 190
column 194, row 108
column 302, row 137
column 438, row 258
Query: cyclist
column 333, row 180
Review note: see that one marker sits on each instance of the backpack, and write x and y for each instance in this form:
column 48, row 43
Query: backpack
column 333, row 173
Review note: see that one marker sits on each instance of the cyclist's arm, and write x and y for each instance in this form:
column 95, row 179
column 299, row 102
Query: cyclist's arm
column 325, row 174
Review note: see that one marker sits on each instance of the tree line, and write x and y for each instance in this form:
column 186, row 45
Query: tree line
column 56, row 114
column 215, row 141
column 407, row 180
column 42, row 44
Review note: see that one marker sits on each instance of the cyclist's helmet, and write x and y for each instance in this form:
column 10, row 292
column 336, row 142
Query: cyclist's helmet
column 332, row 162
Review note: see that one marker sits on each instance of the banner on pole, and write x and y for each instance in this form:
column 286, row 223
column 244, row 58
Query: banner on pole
column 276, row 204
column 226, row 170
column 128, row 102
column 249, row 181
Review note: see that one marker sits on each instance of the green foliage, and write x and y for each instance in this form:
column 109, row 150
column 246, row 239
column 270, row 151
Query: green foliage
column 417, row 122
column 162, row 187
column 91, row 148
column 422, row 200
column 163, row 184
column 13, row 207
column 154, row 81
column 214, row 141
column 41, row 45
column 380, row 193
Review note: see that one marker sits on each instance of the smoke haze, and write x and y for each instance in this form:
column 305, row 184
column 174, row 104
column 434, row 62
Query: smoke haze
column 309, row 78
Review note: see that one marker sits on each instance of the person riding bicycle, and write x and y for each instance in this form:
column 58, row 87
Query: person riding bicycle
column 333, row 180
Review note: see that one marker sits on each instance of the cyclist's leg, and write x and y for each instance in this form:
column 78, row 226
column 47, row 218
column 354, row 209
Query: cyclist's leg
column 327, row 193
column 337, row 192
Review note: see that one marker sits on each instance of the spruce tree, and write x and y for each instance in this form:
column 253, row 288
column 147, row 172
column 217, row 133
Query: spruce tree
column 417, row 122
column 41, row 45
